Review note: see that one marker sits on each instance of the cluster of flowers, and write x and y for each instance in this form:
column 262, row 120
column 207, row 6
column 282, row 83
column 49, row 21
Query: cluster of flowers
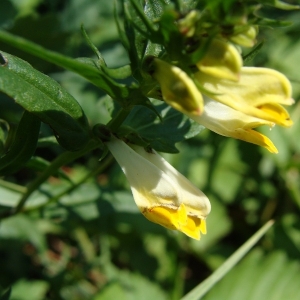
column 225, row 97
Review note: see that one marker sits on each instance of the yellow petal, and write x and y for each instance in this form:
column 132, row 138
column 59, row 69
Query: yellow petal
column 178, row 89
column 259, row 93
column 193, row 227
column 203, row 226
column 169, row 217
column 222, row 60
column 176, row 219
column 255, row 137
column 278, row 113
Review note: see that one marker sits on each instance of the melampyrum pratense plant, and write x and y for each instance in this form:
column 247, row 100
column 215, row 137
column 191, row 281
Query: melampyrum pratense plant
column 187, row 59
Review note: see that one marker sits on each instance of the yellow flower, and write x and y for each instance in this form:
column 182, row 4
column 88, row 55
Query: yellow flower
column 229, row 122
column 162, row 194
column 178, row 89
column 258, row 93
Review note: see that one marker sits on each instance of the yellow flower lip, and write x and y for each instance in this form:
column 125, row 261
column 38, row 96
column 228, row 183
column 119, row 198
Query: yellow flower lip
column 162, row 194
column 176, row 219
column 229, row 122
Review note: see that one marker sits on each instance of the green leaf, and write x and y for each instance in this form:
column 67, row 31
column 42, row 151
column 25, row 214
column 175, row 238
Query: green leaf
column 23, row 228
column 23, row 145
column 130, row 286
column 39, row 164
column 29, row 290
column 45, row 98
column 260, row 277
column 141, row 33
column 162, row 136
column 200, row 290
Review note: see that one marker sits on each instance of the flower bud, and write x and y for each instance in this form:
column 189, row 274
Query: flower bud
column 222, row 60
column 178, row 89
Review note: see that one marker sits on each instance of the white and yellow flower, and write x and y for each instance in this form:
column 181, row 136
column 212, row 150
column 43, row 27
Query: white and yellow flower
column 162, row 194
column 235, row 99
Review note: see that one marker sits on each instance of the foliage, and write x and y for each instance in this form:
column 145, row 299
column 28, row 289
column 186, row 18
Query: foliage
column 69, row 227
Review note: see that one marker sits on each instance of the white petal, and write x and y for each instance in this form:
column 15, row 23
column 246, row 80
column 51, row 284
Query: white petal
column 150, row 186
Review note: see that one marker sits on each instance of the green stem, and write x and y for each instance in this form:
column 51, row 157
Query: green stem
column 200, row 290
column 117, row 121
column 64, row 158
column 85, row 244
column 13, row 187
column 71, row 188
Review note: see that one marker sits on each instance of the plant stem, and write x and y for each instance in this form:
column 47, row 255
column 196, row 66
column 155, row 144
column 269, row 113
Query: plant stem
column 71, row 188
column 117, row 121
column 62, row 159
column 200, row 290
column 13, row 187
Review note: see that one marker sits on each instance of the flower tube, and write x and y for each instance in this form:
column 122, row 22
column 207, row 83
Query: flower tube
column 162, row 194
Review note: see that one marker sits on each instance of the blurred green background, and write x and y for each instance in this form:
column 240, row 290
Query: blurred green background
column 93, row 243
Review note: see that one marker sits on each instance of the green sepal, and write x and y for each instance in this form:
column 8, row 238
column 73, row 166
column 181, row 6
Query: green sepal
column 101, row 77
column 93, row 47
column 46, row 99
column 102, row 132
column 104, row 153
column 23, row 145
column 131, row 136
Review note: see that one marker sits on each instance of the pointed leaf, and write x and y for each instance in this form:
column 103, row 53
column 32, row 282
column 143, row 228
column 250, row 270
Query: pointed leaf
column 46, row 99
